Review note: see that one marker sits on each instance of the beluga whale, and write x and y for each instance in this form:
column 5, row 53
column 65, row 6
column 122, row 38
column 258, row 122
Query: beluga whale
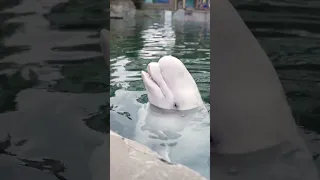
column 251, row 118
column 119, row 158
column 175, row 122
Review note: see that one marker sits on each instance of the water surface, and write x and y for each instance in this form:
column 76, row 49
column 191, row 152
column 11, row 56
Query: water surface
column 54, row 83
column 136, row 44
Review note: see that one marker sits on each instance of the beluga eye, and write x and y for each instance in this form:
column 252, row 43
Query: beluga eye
column 175, row 105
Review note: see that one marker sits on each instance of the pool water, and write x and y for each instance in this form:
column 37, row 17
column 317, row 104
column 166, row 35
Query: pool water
column 146, row 40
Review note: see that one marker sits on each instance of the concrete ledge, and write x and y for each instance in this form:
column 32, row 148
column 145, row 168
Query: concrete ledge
column 131, row 160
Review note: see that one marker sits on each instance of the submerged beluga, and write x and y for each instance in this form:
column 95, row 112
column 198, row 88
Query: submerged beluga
column 128, row 159
column 251, row 118
column 175, row 122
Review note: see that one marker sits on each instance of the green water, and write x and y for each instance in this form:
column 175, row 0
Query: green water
column 146, row 40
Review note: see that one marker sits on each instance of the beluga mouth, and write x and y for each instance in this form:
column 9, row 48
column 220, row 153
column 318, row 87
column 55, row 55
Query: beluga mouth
column 169, row 85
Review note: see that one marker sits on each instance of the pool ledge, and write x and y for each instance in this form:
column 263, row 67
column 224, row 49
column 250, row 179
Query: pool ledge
column 131, row 160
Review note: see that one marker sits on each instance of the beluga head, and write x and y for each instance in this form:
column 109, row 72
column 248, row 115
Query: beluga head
column 169, row 85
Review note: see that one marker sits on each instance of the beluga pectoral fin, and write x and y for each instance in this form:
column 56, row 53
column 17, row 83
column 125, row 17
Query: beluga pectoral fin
column 164, row 150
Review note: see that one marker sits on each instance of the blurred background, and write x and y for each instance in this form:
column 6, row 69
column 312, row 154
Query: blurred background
column 54, row 83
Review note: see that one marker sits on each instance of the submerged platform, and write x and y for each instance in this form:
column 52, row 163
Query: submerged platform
column 192, row 15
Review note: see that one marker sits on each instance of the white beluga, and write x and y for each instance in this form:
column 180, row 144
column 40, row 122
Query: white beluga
column 169, row 85
column 175, row 122
column 125, row 159
column 251, row 118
